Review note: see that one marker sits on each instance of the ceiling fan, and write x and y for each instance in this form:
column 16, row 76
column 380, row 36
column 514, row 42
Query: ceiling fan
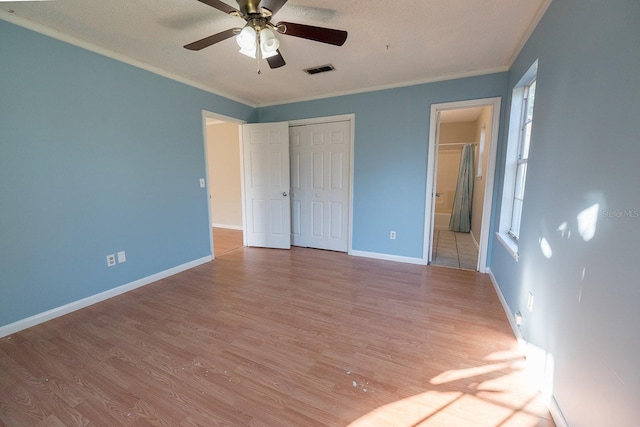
column 257, row 38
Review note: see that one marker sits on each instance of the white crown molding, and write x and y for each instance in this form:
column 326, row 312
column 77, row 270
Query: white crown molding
column 441, row 78
column 55, row 34
column 530, row 30
column 139, row 64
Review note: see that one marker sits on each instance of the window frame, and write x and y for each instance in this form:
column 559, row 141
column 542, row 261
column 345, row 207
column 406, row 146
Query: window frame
column 524, row 142
column 518, row 143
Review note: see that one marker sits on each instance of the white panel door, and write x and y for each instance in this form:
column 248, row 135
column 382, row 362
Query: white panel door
column 298, row 186
column 266, row 181
column 320, row 159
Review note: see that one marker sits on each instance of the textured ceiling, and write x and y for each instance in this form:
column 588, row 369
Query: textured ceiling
column 389, row 44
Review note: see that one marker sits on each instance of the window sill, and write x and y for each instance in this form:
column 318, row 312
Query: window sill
column 510, row 245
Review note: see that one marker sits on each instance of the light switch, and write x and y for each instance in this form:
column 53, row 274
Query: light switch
column 201, row 182
column 122, row 257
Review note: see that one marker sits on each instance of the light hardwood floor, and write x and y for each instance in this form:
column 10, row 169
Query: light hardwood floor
column 226, row 240
column 264, row 337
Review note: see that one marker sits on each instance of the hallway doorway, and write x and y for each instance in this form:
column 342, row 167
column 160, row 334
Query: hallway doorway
column 224, row 183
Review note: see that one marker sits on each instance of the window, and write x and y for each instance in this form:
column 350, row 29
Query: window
column 523, row 155
column 518, row 143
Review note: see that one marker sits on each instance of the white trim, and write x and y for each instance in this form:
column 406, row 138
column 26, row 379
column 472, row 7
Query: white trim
column 147, row 67
column 114, row 55
column 351, row 178
column 536, row 20
column 324, row 119
column 552, row 404
column 93, row 299
column 475, row 241
column 440, row 78
column 507, row 310
column 511, row 160
column 220, row 118
column 490, row 174
column 556, row 413
column 339, row 118
column 432, row 161
column 226, row 226
column 509, row 244
column 483, row 245
column 245, row 221
column 387, row 257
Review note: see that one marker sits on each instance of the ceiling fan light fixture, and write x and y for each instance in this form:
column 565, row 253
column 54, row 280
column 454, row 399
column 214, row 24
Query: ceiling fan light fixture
column 247, row 41
column 258, row 38
column 269, row 43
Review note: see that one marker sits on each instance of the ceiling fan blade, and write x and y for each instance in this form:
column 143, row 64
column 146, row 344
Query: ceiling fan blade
column 220, row 6
column 276, row 61
column 319, row 34
column 272, row 5
column 208, row 41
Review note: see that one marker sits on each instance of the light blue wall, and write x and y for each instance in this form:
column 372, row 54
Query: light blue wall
column 96, row 156
column 585, row 150
column 390, row 154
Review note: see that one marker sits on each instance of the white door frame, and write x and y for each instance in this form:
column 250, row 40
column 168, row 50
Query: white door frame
column 222, row 118
column 490, row 175
column 339, row 118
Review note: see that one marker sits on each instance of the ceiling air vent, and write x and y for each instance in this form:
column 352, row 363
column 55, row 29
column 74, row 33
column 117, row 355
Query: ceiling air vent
column 320, row 69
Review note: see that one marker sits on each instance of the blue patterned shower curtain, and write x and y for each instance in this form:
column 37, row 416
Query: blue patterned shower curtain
column 461, row 212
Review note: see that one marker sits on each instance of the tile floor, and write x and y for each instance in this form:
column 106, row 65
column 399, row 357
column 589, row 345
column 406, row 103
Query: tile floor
column 452, row 249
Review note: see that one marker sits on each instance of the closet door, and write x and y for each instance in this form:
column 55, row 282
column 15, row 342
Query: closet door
column 320, row 184
column 299, row 221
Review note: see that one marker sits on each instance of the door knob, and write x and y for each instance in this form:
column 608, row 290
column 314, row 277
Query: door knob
column 284, row 193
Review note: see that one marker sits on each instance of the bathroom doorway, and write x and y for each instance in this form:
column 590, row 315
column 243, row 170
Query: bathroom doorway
column 454, row 126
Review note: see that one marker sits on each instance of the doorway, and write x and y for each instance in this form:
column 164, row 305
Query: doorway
column 224, row 183
column 341, row 180
column 453, row 126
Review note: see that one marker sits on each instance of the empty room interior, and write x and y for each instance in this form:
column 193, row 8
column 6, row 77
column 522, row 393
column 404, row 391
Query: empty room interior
column 304, row 213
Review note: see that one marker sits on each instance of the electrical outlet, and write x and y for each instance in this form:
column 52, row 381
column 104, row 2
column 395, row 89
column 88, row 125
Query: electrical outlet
column 392, row 235
column 122, row 257
column 518, row 318
column 530, row 302
column 111, row 260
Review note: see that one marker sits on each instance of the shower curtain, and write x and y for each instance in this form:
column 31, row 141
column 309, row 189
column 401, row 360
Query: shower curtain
column 461, row 212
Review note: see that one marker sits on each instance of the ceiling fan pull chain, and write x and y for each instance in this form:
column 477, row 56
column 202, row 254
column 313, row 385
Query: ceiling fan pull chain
column 258, row 50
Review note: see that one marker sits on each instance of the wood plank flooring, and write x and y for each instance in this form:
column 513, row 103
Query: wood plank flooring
column 264, row 337
column 226, row 240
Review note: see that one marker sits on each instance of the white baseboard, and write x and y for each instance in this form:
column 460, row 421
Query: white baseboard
column 475, row 241
column 507, row 310
column 227, row 226
column 386, row 257
column 93, row 299
column 556, row 413
column 551, row 403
